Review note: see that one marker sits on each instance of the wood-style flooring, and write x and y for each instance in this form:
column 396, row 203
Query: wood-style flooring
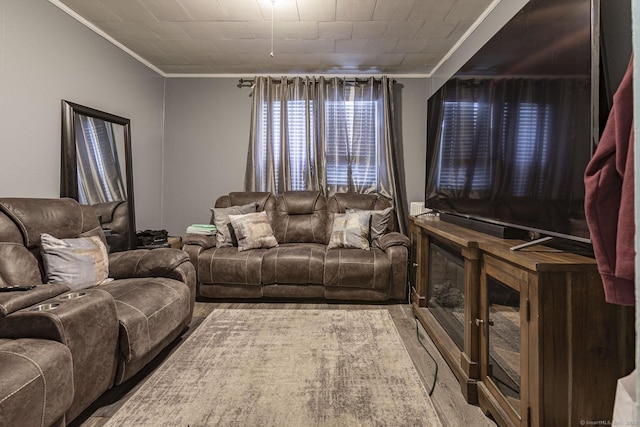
column 447, row 397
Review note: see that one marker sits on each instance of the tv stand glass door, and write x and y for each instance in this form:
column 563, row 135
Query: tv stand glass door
column 503, row 313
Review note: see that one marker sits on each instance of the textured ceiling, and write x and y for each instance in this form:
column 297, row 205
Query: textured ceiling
column 309, row 36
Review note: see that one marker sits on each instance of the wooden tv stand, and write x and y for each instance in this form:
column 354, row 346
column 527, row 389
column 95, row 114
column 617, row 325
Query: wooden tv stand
column 540, row 346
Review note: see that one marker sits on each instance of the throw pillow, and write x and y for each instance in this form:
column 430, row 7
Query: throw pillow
column 350, row 230
column 379, row 221
column 224, row 231
column 253, row 231
column 79, row 263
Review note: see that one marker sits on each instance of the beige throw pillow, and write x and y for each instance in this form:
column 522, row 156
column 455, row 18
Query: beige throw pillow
column 224, row 232
column 350, row 230
column 79, row 263
column 253, row 231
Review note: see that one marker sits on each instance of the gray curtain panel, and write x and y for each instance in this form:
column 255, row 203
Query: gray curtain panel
column 326, row 134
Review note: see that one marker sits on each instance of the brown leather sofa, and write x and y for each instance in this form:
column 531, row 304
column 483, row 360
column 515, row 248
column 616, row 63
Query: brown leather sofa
column 302, row 266
column 60, row 349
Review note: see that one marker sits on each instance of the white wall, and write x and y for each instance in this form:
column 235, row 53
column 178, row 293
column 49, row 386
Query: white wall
column 47, row 56
column 207, row 137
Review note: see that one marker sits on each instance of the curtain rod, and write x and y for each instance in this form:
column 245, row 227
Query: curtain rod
column 356, row 80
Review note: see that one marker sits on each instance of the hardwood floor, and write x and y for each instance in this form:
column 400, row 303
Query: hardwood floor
column 447, row 397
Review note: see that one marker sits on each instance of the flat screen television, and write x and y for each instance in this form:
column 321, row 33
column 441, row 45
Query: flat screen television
column 510, row 134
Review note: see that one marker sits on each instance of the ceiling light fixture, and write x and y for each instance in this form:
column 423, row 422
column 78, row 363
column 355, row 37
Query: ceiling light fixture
column 273, row 2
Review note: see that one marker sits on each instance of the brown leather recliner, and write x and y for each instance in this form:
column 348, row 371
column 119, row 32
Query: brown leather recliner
column 110, row 331
column 302, row 266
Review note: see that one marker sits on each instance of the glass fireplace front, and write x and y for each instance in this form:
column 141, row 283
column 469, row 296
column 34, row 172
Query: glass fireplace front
column 446, row 290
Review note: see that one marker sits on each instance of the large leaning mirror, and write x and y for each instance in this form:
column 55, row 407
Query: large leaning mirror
column 96, row 169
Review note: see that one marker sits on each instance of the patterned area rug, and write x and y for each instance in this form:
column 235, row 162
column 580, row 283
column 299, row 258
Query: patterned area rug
column 285, row 368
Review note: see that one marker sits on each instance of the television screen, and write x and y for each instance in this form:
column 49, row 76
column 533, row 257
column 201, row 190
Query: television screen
column 510, row 135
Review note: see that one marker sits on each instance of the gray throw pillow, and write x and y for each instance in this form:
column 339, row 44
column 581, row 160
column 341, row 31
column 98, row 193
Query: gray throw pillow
column 350, row 230
column 379, row 221
column 253, row 231
column 224, row 232
column 79, row 263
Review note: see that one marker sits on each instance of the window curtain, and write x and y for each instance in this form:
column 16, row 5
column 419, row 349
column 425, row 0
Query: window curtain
column 329, row 135
column 496, row 138
column 273, row 164
column 99, row 173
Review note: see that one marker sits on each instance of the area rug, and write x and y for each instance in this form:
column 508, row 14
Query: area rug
column 274, row 367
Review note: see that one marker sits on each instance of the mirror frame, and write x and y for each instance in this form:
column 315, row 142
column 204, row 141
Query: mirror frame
column 69, row 168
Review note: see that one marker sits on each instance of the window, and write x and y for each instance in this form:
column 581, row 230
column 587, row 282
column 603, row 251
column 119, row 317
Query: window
column 297, row 131
column 351, row 139
column 351, row 142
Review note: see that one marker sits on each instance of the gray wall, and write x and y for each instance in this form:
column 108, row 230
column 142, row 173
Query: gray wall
column 207, row 137
column 47, row 56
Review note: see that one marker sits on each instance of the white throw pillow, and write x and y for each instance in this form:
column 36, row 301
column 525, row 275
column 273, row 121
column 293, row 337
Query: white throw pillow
column 79, row 262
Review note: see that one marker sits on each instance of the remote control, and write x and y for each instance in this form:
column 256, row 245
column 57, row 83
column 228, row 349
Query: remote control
column 16, row 288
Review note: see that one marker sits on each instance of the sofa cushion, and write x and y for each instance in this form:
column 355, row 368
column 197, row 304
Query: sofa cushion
column 148, row 310
column 229, row 266
column 294, row 263
column 265, row 200
column 224, row 231
column 350, row 230
column 341, row 202
column 36, row 382
column 79, row 263
column 18, row 266
column 253, row 231
column 60, row 217
column 379, row 221
column 355, row 268
column 300, row 217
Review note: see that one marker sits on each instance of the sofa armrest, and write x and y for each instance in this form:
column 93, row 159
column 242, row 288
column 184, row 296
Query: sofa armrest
column 160, row 262
column 396, row 246
column 13, row 301
column 394, row 239
column 163, row 262
column 88, row 326
column 206, row 242
column 194, row 244
column 29, row 401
